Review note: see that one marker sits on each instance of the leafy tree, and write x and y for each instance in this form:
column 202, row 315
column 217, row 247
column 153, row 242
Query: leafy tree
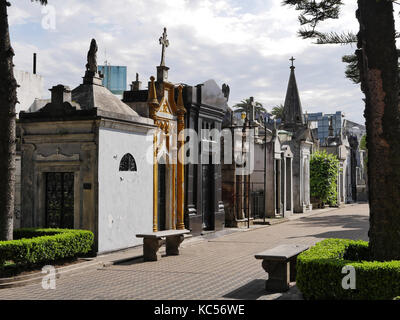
column 352, row 72
column 278, row 112
column 323, row 177
column 378, row 66
column 313, row 13
column 8, row 100
column 244, row 106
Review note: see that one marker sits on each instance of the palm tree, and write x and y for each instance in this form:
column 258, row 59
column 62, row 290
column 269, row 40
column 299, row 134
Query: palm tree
column 278, row 112
column 244, row 106
column 8, row 100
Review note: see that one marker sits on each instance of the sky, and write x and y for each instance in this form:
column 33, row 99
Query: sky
column 246, row 44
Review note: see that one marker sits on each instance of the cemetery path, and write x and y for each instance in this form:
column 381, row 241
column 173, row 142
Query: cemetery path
column 217, row 268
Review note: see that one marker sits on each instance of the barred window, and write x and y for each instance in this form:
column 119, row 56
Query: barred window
column 127, row 163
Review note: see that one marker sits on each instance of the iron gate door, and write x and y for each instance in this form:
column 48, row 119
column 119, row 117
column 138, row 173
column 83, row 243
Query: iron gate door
column 207, row 197
column 161, row 197
column 60, row 200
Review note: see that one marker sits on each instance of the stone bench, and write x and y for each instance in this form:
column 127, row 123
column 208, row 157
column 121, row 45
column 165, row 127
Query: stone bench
column 153, row 241
column 280, row 264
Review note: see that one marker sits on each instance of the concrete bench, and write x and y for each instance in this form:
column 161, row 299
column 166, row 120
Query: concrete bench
column 280, row 264
column 153, row 241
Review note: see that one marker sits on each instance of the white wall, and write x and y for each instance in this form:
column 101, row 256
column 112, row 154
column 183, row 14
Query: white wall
column 125, row 198
column 31, row 88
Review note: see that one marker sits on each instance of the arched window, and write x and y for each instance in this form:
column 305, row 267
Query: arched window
column 127, row 163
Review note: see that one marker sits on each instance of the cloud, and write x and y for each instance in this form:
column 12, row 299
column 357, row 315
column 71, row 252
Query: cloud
column 246, row 44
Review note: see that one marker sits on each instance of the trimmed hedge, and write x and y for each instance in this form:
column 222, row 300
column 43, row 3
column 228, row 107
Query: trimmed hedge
column 319, row 272
column 323, row 177
column 33, row 246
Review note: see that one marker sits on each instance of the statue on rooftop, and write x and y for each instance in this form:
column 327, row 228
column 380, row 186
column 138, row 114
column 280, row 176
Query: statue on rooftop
column 92, row 57
column 226, row 91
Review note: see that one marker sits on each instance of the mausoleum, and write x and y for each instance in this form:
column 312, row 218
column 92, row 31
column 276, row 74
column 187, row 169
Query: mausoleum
column 84, row 164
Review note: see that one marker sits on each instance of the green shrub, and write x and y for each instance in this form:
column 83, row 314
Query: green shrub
column 33, row 246
column 323, row 177
column 319, row 272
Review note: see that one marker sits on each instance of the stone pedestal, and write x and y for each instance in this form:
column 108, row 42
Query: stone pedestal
column 172, row 245
column 280, row 264
column 293, row 269
column 278, row 275
column 92, row 78
column 243, row 223
column 150, row 249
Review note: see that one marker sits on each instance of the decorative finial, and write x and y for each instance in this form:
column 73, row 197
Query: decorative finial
column 165, row 43
column 152, row 98
column 92, row 57
column 180, row 104
column 292, row 59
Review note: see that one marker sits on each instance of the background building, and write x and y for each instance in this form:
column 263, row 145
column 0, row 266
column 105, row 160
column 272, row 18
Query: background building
column 322, row 120
column 29, row 92
column 114, row 78
column 30, row 89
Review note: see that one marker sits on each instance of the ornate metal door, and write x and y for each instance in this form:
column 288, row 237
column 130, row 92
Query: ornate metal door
column 161, row 197
column 207, row 196
column 60, row 200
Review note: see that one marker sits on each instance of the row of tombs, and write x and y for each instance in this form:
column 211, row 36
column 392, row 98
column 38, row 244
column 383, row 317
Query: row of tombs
column 90, row 160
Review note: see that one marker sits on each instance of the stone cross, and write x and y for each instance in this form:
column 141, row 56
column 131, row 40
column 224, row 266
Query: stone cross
column 165, row 43
column 292, row 59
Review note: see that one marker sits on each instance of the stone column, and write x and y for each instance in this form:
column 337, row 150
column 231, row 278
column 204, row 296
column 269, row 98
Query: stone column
column 239, row 197
column 180, row 165
column 283, row 184
column 153, row 108
column 289, row 184
column 155, row 185
column 278, row 186
column 307, row 182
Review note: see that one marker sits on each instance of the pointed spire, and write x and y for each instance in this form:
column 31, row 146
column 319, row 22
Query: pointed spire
column 293, row 112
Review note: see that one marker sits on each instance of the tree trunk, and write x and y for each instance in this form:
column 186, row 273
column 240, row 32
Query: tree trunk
column 380, row 84
column 8, row 99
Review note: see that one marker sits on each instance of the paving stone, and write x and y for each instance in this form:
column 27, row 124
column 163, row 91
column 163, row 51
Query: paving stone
column 210, row 268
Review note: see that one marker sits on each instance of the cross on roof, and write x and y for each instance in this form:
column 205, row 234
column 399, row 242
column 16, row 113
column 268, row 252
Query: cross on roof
column 292, row 59
column 165, row 43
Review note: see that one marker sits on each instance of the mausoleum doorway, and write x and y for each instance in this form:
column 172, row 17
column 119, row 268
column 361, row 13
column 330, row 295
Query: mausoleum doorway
column 59, row 200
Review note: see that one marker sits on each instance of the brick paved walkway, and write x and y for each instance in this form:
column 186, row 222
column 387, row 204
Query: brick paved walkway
column 218, row 268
